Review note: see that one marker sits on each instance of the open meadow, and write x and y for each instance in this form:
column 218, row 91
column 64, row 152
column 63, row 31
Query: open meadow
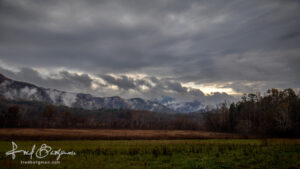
column 169, row 154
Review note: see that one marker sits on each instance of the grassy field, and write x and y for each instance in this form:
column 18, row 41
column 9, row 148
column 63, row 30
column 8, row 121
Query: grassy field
column 186, row 154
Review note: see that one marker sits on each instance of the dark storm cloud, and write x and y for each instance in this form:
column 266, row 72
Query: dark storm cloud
column 174, row 86
column 123, row 82
column 243, row 42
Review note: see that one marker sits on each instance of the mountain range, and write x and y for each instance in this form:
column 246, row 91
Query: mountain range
column 16, row 90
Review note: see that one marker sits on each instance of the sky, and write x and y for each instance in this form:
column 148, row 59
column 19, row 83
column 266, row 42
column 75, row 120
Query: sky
column 207, row 50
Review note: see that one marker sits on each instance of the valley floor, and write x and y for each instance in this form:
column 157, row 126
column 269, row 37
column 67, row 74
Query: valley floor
column 105, row 134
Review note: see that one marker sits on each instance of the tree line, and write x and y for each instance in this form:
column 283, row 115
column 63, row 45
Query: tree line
column 31, row 114
column 277, row 113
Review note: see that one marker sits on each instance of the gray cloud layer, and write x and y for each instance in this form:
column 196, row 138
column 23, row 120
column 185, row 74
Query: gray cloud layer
column 253, row 44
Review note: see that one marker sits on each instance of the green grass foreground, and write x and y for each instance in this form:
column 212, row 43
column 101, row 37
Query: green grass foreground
column 172, row 154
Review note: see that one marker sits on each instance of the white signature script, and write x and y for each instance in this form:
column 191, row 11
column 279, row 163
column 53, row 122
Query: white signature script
column 40, row 153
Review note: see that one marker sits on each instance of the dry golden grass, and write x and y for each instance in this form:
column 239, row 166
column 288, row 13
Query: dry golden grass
column 58, row 134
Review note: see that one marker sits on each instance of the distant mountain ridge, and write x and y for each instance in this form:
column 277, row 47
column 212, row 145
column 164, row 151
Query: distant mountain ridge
column 17, row 90
column 182, row 107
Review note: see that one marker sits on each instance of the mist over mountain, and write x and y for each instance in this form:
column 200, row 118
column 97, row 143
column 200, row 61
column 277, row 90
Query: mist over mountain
column 181, row 106
column 16, row 90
